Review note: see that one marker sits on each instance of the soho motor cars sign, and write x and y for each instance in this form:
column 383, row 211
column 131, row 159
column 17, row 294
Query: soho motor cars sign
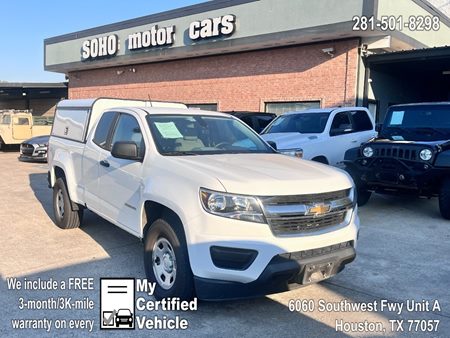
column 157, row 37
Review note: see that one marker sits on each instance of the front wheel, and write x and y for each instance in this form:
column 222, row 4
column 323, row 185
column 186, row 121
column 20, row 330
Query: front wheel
column 166, row 260
column 65, row 217
column 363, row 195
column 444, row 199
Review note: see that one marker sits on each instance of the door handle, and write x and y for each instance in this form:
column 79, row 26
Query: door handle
column 354, row 141
column 104, row 163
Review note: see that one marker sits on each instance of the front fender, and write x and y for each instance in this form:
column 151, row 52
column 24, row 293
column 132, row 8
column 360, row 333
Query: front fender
column 443, row 159
column 351, row 154
column 181, row 195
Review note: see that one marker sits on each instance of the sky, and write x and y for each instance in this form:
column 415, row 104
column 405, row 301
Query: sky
column 25, row 24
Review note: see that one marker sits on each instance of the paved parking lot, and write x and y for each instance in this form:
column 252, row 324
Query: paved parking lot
column 403, row 254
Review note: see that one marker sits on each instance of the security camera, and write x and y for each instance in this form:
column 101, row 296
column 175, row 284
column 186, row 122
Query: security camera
column 328, row 51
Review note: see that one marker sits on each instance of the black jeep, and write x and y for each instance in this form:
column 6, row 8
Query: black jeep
column 410, row 155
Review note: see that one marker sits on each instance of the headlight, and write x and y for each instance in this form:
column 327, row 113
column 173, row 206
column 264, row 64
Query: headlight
column 292, row 152
column 244, row 208
column 353, row 196
column 426, row 154
column 368, row 151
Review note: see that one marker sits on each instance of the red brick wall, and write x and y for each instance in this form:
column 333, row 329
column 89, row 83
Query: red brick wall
column 43, row 106
column 241, row 81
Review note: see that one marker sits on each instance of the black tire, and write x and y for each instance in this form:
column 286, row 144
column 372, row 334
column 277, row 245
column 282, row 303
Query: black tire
column 65, row 216
column 320, row 159
column 168, row 229
column 444, row 199
column 362, row 194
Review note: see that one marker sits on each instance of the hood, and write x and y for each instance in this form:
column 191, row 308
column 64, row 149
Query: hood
column 38, row 140
column 289, row 140
column 417, row 143
column 266, row 174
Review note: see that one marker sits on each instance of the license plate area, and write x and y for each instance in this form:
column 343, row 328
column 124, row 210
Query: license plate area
column 317, row 272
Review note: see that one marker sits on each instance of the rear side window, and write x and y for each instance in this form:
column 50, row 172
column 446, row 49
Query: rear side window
column 341, row 124
column 103, row 128
column 361, row 121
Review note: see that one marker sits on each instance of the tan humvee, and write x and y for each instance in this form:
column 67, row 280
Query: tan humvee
column 17, row 126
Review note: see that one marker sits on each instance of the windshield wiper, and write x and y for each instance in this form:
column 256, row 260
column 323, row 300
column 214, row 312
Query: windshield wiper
column 178, row 153
column 387, row 132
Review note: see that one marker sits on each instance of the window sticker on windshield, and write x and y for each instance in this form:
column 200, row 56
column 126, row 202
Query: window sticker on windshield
column 397, row 118
column 168, row 130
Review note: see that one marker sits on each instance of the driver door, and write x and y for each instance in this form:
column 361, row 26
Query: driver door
column 342, row 137
column 121, row 180
column 21, row 128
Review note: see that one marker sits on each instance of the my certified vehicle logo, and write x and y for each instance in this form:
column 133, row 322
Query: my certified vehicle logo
column 318, row 209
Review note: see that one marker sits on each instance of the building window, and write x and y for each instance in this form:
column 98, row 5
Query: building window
column 283, row 107
column 203, row 106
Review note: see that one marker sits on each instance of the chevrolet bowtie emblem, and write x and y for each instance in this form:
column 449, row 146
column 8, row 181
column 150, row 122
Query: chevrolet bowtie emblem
column 318, row 209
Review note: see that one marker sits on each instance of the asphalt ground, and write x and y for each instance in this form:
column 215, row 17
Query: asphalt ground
column 403, row 258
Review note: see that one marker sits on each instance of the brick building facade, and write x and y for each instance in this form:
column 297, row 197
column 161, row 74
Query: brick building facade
column 243, row 81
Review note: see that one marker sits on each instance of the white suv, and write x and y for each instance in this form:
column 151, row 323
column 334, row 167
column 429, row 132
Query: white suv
column 324, row 135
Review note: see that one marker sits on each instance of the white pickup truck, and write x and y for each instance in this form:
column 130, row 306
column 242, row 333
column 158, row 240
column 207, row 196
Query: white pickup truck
column 322, row 135
column 221, row 214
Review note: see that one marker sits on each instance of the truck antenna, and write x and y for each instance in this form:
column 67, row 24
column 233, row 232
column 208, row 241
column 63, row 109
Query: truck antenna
column 150, row 100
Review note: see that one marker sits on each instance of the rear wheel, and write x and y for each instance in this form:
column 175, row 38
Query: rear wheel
column 444, row 199
column 166, row 260
column 65, row 217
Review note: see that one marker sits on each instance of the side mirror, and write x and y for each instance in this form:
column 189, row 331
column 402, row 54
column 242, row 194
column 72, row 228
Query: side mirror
column 126, row 150
column 378, row 127
column 272, row 144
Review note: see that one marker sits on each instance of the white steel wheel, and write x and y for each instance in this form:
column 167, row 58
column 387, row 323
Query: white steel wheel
column 166, row 259
column 59, row 203
column 164, row 263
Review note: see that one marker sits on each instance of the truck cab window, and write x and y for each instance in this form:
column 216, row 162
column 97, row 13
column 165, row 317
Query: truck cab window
column 21, row 121
column 103, row 128
column 128, row 130
column 361, row 121
column 341, row 124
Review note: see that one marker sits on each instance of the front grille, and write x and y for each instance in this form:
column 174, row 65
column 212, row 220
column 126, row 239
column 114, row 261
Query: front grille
column 27, row 149
column 396, row 152
column 298, row 255
column 305, row 199
column 288, row 215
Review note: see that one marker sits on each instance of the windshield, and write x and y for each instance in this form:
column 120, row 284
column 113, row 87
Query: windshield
column 124, row 312
column 5, row 119
column 417, row 123
column 305, row 123
column 203, row 135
